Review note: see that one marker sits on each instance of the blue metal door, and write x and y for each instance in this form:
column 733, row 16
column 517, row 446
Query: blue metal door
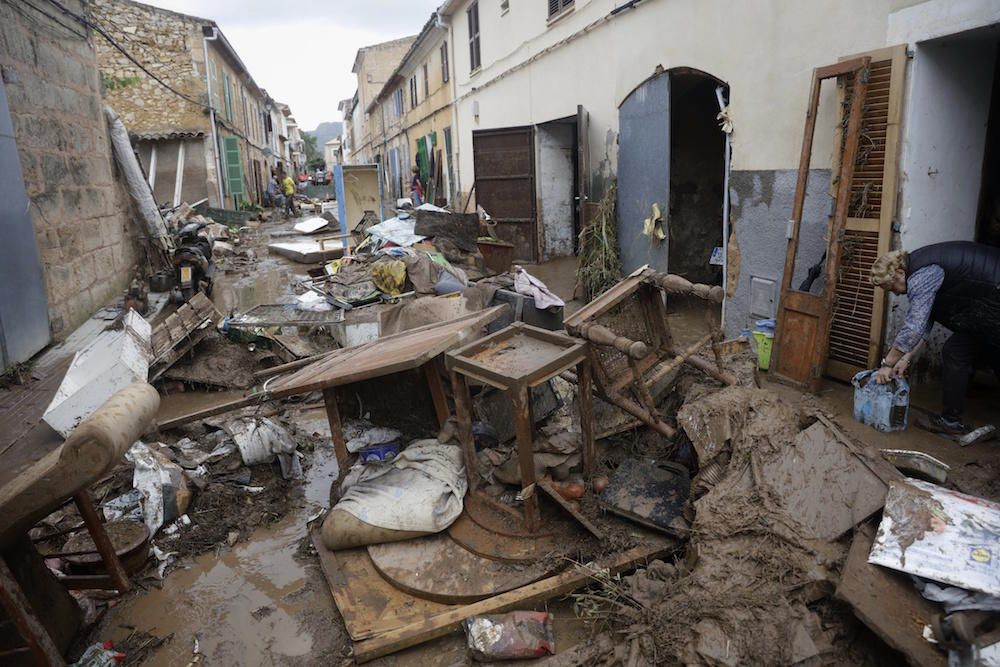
column 643, row 171
column 24, row 305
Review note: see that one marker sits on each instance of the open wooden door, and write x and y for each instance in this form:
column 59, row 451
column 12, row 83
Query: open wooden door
column 858, row 324
column 801, row 337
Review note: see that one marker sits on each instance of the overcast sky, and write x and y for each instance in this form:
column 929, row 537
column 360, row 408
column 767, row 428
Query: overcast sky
column 302, row 51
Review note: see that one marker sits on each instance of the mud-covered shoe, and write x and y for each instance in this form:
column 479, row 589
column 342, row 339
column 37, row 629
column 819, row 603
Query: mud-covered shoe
column 941, row 424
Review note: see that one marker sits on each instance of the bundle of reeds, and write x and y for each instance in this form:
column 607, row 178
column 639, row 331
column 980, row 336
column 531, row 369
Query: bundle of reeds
column 600, row 261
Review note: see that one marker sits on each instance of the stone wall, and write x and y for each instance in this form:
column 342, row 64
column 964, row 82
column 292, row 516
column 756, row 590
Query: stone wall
column 80, row 212
column 170, row 46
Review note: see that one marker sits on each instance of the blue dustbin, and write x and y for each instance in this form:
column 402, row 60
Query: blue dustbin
column 884, row 407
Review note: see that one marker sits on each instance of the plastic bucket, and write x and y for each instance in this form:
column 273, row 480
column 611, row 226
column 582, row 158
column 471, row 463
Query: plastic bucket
column 764, row 342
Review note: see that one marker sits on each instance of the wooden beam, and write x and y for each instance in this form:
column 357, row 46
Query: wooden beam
column 26, row 620
column 236, row 404
column 336, row 428
column 550, row 587
column 463, row 415
column 547, row 487
column 101, row 541
column 432, row 372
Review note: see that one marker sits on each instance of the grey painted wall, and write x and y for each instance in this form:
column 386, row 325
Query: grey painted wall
column 761, row 205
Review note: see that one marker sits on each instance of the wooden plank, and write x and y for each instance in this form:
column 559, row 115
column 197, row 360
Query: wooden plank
column 369, row 604
column 405, row 351
column 432, row 373
column 26, row 621
column 585, row 400
column 463, row 415
column 236, row 404
column 546, row 486
column 526, row 454
column 336, row 428
column 607, row 300
column 449, row 621
column 888, row 603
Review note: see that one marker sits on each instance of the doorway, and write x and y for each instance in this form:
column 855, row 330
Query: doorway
column 671, row 185
column 988, row 218
column 556, row 146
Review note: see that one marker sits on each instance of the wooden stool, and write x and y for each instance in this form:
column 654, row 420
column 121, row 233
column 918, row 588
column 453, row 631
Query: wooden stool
column 514, row 360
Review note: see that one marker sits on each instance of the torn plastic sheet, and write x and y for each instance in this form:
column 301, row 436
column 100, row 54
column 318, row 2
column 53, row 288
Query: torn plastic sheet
column 162, row 484
column 260, row 440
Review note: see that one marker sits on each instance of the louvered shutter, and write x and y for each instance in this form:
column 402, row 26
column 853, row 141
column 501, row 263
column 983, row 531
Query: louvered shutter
column 858, row 323
column 234, row 166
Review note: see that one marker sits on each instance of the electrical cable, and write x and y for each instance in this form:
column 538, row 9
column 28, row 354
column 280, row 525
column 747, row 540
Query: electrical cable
column 16, row 6
column 83, row 20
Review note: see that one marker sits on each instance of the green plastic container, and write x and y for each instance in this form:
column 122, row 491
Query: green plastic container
column 764, row 342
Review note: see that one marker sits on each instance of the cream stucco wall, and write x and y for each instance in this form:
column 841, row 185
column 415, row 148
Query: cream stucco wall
column 764, row 49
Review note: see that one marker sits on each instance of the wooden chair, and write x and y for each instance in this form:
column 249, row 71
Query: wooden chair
column 91, row 452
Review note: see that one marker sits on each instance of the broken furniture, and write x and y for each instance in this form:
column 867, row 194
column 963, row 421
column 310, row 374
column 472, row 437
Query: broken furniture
column 284, row 315
column 180, row 332
column 382, row 618
column 410, row 350
column 802, row 335
column 649, row 492
column 515, row 360
column 632, row 347
column 29, row 492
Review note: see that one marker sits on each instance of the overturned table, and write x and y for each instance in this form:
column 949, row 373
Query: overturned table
column 409, row 350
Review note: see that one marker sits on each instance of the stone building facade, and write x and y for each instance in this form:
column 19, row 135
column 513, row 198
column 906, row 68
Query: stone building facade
column 373, row 66
column 217, row 143
column 82, row 218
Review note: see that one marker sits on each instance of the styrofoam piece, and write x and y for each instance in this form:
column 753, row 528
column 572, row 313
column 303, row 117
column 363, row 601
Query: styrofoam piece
column 114, row 360
column 311, row 225
column 309, row 252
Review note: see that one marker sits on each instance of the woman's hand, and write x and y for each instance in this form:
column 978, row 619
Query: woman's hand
column 904, row 363
column 885, row 375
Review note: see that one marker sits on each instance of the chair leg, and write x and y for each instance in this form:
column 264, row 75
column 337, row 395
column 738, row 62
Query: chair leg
column 28, row 626
column 101, row 541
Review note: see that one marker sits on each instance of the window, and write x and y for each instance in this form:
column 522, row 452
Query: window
column 559, row 6
column 427, row 83
column 227, row 96
column 413, row 91
column 397, row 102
column 444, row 63
column 475, row 61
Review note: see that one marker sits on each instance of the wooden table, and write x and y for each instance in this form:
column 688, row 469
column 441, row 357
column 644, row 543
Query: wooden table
column 514, row 360
column 416, row 348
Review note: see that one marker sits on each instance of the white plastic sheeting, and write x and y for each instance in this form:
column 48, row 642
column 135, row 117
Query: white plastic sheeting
column 420, row 490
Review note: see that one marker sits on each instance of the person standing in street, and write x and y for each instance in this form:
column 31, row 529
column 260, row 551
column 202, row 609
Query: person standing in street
column 416, row 188
column 272, row 192
column 956, row 284
column 288, row 188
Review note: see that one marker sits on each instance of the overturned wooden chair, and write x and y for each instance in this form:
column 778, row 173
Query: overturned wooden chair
column 91, row 452
column 633, row 350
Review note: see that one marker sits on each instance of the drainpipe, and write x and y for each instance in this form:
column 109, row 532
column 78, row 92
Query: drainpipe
column 725, row 211
column 457, row 185
column 211, row 113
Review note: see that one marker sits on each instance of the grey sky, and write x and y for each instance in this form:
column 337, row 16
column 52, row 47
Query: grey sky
column 302, row 51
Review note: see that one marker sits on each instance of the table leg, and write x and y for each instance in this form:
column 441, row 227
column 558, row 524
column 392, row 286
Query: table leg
column 336, row 428
column 585, row 400
column 101, row 541
column 463, row 415
column 26, row 620
column 436, row 387
column 521, row 399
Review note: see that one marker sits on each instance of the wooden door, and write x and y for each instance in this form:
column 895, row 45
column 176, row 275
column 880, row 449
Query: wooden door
column 504, row 164
column 801, row 337
column 582, row 171
column 858, row 325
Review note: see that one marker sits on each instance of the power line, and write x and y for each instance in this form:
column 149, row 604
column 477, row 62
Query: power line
column 83, row 20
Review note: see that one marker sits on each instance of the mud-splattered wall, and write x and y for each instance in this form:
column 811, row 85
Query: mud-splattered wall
column 761, row 204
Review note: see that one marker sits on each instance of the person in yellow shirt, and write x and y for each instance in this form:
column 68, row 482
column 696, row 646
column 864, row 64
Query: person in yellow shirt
column 288, row 188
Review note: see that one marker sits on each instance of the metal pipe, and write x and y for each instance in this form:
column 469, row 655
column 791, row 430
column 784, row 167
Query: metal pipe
column 725, row 208
column 220, row 174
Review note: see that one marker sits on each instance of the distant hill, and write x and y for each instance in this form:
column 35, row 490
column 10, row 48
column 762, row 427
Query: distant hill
column 327, row 131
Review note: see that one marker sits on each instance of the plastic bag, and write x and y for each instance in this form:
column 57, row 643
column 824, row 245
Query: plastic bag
column 99, row 655
column 517, row 634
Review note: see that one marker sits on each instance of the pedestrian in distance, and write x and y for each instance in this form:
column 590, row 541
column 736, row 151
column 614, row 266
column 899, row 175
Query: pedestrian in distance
column 288, row 187
column 416, row 188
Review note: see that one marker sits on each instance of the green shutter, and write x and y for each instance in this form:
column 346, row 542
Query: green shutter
column 227, row 96
column 234, row 167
